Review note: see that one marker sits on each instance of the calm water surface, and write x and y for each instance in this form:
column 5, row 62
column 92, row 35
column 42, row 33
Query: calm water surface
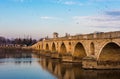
column 22, row 65
column 25, row 65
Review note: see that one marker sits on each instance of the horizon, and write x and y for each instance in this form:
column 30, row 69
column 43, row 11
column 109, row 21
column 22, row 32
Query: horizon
column 40, row 18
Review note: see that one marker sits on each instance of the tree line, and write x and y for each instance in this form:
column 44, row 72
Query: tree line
column 19, row 41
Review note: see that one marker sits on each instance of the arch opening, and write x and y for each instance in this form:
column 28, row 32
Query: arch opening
column 110, row 52
column 47, row 47
column 79, row 51
column 63, row 49
column 92, row 49
column 53, row 47
column 69, row 45
column 39, row 47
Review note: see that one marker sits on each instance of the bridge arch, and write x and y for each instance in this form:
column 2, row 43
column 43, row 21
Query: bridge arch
column 47, row 46
column 63, row 49
column 79, row 50
column 110, row 51
column 92, row 49
column 53, row 47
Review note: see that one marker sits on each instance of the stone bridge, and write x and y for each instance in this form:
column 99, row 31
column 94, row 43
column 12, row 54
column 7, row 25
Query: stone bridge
column 99, row 46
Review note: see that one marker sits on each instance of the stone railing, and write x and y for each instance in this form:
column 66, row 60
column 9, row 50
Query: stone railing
column 97, row 35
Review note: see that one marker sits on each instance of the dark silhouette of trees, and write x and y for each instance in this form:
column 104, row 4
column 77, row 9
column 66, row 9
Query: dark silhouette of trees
column 2, row 40
column 19, row 41
column 24, row 41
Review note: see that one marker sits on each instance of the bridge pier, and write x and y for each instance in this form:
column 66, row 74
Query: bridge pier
column 67, row 58
column 55, row 55
column 89, row 63
column 92, row 63
column 45, row 53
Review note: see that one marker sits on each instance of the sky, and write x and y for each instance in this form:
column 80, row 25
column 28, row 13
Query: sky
column 40, row 18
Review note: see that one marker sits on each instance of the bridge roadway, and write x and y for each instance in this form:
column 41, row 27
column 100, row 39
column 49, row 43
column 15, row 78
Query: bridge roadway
column 99, row 47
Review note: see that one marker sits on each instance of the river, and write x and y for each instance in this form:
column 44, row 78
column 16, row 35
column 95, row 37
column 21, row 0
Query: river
column 18, row 64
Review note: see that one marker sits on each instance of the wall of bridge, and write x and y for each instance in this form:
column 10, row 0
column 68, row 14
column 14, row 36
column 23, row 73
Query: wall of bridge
column 83, row 45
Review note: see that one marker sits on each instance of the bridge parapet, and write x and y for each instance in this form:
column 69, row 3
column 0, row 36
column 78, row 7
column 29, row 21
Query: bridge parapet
column 108, row 35
column 97, row 35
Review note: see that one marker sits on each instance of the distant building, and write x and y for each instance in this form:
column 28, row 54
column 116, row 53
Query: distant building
column 55, row 35
column 67, row 35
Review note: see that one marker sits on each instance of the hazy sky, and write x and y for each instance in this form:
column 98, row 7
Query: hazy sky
column 40, row 18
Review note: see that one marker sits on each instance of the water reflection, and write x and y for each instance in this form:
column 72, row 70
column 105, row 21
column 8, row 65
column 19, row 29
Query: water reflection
column 26, row 65
column 15, row 56
column 74, row 71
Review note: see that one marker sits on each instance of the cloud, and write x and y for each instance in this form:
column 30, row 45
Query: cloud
column 104, row 0
column 80, row 2
column 101, row 21
column 47, row 18
column 113, row 13
column 70, row 3
column 22, row 1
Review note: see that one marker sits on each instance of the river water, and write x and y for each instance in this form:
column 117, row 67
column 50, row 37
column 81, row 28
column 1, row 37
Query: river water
column 26, row 65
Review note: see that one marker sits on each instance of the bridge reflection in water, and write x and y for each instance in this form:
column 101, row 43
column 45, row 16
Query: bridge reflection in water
column 64, row 70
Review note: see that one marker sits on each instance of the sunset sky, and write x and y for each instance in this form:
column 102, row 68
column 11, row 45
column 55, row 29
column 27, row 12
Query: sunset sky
column 40, row 18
